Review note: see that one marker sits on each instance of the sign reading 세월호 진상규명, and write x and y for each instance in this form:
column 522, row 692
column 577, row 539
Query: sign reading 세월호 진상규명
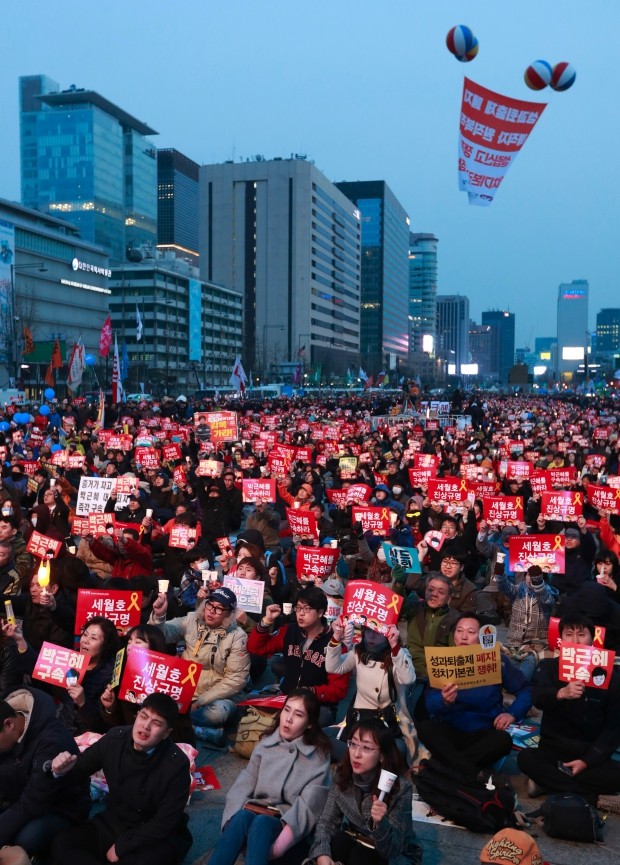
column 147, row 672
column 371, row 605
column 465, row 666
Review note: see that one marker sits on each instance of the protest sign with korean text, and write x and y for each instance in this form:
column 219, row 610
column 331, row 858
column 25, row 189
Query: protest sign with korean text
column 43, row 546
column 224, row 426
column 259, row 489
column 373, row 519
column 54, row 662
column 402, row 557
column 93, row 495
column 147, row 672
column 465, row 666
column 553, row 634
column 147, row 457
column 182, row 537
column 313, row 562
column 564, row 505
column 302, row 522
column 358, row 493
column 98, row 523
column 121, row 606
column 171, row 452
column 546, row 551
column 503, row 509
column 518, row 470
column 337, row 497
column 604, row 498
column 588, row 664
column 372, row 605
column 249, row 593
column 420, row 477
column 562, row 477
column 447, row 489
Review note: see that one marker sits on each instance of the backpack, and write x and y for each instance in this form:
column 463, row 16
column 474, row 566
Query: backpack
column 465, row 802
column 251, row 727
column 571, row 817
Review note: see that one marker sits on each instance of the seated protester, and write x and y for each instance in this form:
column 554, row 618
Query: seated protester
column 266, row 520
column 100, row 641
column 253, row 569
column 289, row 773
column 213, row 639
column 129, row 556
column 610, row 535
column 177, row 559
column 160, row 499
column 232, row 498
column 356, row 828
column 430, row 621
column 463, row 591
column 32, row 812
column 149, row 780
column 10, row 531
column 215, row 514
column 533, row 600
column 383, row 670
column 466, row 730
column 579, row 727
column 606, row 573
column 492, row 604
column 382, row 497
column 325, row 526
column 47, row 616
column 133, row 512
column 10, row 581
column 303, row 643
column 115, row 712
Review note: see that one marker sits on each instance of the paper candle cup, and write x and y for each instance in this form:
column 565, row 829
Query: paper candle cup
column 393, row 519
column 52, row 483
column 334, row 544
column 163, row 586
column 287, row 609
column 149, row 512
column 205, row 576
column 386, row 782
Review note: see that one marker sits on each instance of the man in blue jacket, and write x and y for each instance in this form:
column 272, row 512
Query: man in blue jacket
column 467, row 730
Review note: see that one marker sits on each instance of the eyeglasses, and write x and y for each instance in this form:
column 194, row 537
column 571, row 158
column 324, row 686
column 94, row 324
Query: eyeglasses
column 357, row 746
column 213, row 608
column 301, row 609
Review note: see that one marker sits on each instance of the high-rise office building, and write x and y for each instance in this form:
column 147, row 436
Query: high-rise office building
column 608, row 330
column 503, row 341
column 422, row 292
column 90, row 162
column 572, row 324
column 481, row 341
column 384, row 336
column 177, row 204
column 281, row 234
column 453, row 329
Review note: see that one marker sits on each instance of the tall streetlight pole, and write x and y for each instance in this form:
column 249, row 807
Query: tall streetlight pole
column 14, row 318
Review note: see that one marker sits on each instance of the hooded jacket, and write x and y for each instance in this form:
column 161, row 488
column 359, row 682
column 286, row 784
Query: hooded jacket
column 25, row 788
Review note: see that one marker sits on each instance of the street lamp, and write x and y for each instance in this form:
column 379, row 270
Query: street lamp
column 265, row 329
column 14, row 318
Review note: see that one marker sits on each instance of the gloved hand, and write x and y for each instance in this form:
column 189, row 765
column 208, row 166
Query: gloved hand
column 399, row 575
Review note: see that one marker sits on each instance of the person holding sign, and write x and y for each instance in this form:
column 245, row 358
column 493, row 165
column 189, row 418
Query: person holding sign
column 467, row 726
column 367, row 817
column 579, row 730
column 273, row 805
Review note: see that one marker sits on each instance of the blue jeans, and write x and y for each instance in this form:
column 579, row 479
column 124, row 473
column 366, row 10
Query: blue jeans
column 215, row 714
column 255, row 832
column 37, row 835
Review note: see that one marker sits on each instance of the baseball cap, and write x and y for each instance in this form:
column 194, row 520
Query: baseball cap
column 225, row 597
column 511, row 847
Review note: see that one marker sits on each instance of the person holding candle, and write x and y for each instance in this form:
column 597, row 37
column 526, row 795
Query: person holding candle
column 99, row 639
column 361, row 824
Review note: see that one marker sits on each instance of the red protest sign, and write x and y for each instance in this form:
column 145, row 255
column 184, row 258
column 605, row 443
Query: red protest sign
column 337, row 497
column 42, row 546
column 182, row 537
column 426, row 461
column 259, row 489
column 302, row 522
column 553, row 634
column 313, row 562
column 148, row 458
column 371, row 605
column 127, row 486
column 225, row 547
column 209, row 468
column 588, row 664
column 224, row 426
column 420, row 477
column 54, row 662
column 171, row 452
column 604, row 498
column 481, row 489
column 540, row 482
column 447, row 490
column 375, row 520
column 503, row 509
column 147, row 672
column 79, row 526
column 561, row 505
column 562, row 477
column 518, row 470
column 358, row 493
column 98, row 523
column 120, row 606
column 546, row 551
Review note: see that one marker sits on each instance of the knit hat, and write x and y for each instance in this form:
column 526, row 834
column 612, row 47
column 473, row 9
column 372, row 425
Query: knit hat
column 511, row 847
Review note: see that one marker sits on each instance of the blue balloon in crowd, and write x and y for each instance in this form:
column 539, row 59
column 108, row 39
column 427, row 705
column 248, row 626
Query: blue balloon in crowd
column 44, row 410
column 21, row 417
column 50, row 393
column 89, row 360
column 56, row 448
column 4, row 426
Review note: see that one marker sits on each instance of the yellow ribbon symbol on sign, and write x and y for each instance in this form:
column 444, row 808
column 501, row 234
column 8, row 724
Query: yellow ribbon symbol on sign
column 394, row 603
column 518, row 502
column 577, row 498
column 618, row 493
column 384, row 513
column 134, row 605
column 191, row 672
column 598, row 636
column 463, row 485
column 557, row 543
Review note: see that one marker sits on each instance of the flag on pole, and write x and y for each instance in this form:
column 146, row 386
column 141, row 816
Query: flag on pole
column 49, row 376
column 28, row 341
column 124, row 362
column 381, row 378
column 362, row 375
column 77, row 365
column 302, row 351
column 56, row 356
column 138, row 325
column 100, row 422
column 105, row 340
column 238, row 378
column 117, row 387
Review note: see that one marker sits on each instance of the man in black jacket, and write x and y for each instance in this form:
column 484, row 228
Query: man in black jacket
column 148, row 776
column 30, row 736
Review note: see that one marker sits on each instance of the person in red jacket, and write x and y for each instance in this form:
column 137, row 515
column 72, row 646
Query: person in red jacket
column 609, row 536
column 303, row 643
column 128, row 556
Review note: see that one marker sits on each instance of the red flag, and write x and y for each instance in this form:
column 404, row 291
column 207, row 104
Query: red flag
column 49, row 376
column 105, row 340
column 28, row 341
column 56, row 361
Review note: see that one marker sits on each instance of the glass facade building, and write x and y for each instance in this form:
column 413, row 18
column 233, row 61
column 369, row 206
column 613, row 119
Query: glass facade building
column 422, row 292
column 453, row 329
column 384, row 327
column 573, row 334
column 89, row 162
column 608, row 330
column 177, row 204
column 502, row 343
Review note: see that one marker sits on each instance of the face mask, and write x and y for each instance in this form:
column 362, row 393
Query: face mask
column 381, row 555
column 479, row 457
column 33, row 520
column 397, row 490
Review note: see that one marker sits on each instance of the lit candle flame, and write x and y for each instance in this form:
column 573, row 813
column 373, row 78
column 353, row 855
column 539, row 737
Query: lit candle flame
column 43, row 575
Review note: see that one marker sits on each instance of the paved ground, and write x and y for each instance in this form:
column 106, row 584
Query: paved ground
column 443, row 845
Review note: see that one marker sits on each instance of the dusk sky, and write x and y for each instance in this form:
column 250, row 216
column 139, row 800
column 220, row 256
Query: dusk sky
column 368, row 91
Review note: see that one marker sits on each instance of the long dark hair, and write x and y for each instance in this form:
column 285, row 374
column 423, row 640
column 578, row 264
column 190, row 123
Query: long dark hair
column 391, row 758
column 313, row 734
column 111, row 641
column 151, row 635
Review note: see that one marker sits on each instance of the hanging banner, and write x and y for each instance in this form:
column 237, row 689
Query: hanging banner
column 493, row 129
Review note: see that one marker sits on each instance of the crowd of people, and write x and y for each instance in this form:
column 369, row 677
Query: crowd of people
column 176, row 520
